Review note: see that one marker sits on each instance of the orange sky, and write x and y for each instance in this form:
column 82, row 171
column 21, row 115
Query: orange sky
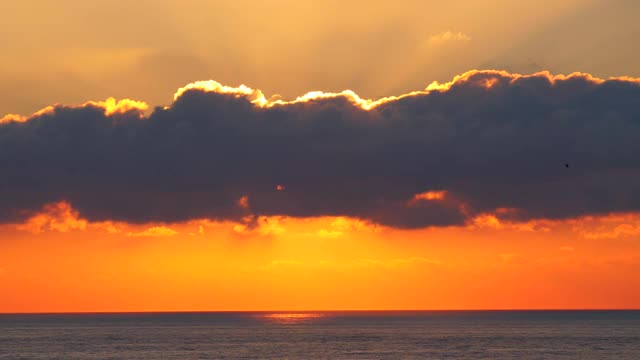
column 57, row 261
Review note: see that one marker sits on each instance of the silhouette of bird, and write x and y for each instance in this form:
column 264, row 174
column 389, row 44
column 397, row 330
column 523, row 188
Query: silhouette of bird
column 566, row 165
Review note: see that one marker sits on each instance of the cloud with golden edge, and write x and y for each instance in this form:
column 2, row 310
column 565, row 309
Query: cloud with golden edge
column 618, row 231
column 610, row 226
column 182, row 146
column 261, row 225
column 55, row 217
column 156, row 231
column 341, row 226
column 62, row 217
column 493, row 221
column 258, row 98
column 244, row 202
column 427, row 196
column 110, row 106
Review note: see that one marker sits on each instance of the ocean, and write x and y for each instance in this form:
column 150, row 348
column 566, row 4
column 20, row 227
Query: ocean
column 520, row 335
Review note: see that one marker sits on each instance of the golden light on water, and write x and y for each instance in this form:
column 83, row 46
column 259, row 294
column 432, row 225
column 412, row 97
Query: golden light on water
column 291, row 318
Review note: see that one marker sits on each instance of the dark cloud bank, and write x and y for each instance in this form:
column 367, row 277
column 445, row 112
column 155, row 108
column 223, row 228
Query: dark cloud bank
column 499, row 147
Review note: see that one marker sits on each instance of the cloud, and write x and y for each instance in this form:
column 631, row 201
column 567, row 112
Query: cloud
column 259, row 225
column 342, row 226
column 449, row 36
column 54, row 217
column 62, row 217
column 110, row 107
column 617, row 232
column 156, row 231
column 610, row 226
column 485, row 141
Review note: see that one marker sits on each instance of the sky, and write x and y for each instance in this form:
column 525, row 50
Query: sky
column 286, row 155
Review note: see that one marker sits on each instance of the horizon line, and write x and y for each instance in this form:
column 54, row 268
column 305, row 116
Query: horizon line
column 314, row 311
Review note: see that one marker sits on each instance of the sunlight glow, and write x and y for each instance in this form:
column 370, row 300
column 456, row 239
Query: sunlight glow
column 486, row 79
column 110, row 107
column 291, row 318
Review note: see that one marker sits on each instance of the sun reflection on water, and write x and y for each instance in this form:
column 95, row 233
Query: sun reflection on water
column 291, row 318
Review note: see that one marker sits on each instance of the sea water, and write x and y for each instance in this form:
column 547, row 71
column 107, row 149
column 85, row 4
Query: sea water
column 324, row 335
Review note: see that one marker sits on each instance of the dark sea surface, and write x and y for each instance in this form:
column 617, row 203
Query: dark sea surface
column 324, row 335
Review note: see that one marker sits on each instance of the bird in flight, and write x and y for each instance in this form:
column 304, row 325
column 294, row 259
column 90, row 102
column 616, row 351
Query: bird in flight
column 566, row 165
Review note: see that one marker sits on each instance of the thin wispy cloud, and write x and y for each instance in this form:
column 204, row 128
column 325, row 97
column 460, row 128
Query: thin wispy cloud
column 449, row 36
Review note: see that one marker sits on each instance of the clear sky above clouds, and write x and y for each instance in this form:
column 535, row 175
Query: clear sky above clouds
column 69, row 52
